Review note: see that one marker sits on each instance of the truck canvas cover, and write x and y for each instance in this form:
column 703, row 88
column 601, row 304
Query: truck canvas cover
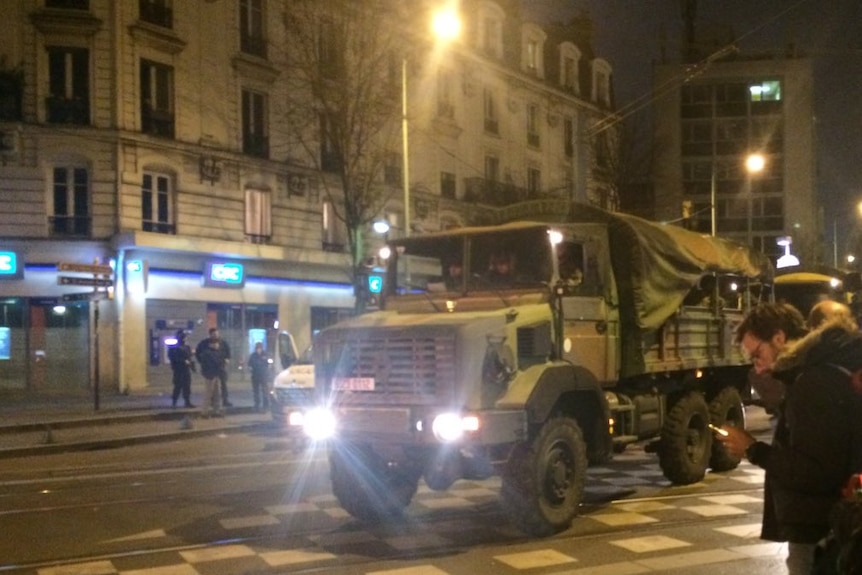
column 656, row 265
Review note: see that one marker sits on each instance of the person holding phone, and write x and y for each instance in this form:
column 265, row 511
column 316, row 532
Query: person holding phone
column 816, row 446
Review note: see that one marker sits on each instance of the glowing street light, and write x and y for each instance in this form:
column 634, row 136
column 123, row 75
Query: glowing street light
column 445, row 26
column 754, row 163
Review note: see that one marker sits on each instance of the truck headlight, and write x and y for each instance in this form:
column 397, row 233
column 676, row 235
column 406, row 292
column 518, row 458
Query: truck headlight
column 448, row 427
column 319, row 424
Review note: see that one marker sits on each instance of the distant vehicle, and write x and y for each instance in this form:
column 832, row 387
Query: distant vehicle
column 804, row 288
column 293, row 386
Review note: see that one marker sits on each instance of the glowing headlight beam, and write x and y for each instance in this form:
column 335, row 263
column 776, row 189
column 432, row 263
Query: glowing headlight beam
column 319, row 424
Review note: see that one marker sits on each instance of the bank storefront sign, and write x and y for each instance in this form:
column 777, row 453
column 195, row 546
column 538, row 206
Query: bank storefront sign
column 11, row 266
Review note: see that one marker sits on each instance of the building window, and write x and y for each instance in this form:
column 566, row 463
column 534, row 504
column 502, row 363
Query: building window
column 71, row 202
column 157, row 204
column 251, row 37
column 258, row 215
column 492, row 168
column 392, row 170
column 491, row 123
column 570, row 58
column 569, row 137
column 601, row 82
column 329, row 157
column 68, row 4
column 333, row 230
column 445, row 107
column 533, row 125
column 157, row 99
column 158, row 12
column 532, row 50
column 255, row 141
column 491, row 36
column 330, row 55
column 765, row 91
column 448, row 185
column 69, row 85
column 534, row 182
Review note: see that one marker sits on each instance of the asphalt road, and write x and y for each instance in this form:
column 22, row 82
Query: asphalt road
column 244, row 503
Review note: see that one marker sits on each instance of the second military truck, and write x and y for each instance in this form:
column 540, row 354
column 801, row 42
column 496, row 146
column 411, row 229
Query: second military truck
column 530, row 349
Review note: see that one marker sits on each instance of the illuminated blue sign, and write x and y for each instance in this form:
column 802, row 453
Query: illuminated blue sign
column 10, row 269
column 375, row 283
column 5, row 342
column 224, row 274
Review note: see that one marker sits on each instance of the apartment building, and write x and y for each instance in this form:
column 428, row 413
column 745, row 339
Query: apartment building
column 146, row 135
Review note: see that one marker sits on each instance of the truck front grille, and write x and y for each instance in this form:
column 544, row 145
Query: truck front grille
column 406, row 367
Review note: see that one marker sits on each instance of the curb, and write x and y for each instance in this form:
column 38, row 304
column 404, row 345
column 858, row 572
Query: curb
column 54, row 448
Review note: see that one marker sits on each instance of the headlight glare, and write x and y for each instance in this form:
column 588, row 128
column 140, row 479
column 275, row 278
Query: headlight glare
column 319, row 424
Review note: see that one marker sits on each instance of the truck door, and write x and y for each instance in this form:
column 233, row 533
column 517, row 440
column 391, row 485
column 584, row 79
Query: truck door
column 590, row 322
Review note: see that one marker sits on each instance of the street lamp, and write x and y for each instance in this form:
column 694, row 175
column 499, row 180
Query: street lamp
column 754, row 163
column 445, row 26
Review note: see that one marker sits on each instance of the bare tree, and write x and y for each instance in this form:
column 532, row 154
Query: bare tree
column 342, row 108
column 622, row 158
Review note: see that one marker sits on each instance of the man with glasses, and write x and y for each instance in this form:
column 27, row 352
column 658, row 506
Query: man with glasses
column 813, row 451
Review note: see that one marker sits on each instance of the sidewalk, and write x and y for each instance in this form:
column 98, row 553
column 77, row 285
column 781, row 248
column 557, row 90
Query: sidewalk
column 45, row 423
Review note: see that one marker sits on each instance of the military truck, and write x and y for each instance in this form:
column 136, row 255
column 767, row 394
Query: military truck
column 606, row 330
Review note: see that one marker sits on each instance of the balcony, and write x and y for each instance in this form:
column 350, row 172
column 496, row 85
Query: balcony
column 158, row 14
column 491, row 193
column 67, row 110
column 159, row 227
column 157, row 122
column 254, row 45
column 255, row 145
column 69, row 226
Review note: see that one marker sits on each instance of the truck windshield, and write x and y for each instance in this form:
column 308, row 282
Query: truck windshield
column 511, row 259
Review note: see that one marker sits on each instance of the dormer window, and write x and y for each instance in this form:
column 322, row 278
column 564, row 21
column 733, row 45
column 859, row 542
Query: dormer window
column 601, row 82
column 490, row 37
column 533, row 44
column 570, row 61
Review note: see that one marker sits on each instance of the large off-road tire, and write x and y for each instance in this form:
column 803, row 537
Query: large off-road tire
column 366, row 487
column 725, row 409
column 686, row 440
column 543, row 481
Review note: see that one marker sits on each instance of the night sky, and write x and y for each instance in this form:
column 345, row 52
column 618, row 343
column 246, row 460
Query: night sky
column 829, row 31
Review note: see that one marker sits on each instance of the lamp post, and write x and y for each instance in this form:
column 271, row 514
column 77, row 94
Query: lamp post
column 446, row 26
column 712, row 199
column 754, row 163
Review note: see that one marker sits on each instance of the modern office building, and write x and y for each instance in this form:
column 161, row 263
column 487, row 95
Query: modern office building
column 146, row 135
column 713, row 113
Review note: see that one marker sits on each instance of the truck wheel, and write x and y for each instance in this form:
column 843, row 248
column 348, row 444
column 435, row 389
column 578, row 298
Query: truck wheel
column 725, row 409
column 543, row 481
column 366, row 487
column 686, row 440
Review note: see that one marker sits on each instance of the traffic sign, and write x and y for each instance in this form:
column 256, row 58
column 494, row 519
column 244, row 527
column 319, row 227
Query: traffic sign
column 76, row 281
column 95, row 269
column 86, row 296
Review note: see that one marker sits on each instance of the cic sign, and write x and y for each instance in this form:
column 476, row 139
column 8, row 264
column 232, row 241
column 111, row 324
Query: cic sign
column 224, row 274
column 11, row 267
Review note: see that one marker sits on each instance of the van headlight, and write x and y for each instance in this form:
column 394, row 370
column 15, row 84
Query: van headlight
column 319, row 423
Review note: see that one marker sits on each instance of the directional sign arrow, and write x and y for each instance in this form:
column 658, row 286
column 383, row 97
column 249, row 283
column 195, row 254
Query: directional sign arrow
column 96, row 269
column 75, row 281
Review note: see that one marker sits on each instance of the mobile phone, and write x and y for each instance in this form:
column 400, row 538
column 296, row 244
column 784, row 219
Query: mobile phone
column 718, row 430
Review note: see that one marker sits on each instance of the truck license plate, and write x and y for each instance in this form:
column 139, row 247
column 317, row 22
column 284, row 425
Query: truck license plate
column 354, row 383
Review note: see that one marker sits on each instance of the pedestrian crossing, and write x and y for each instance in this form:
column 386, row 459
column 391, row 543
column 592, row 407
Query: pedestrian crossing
column 318, row 534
